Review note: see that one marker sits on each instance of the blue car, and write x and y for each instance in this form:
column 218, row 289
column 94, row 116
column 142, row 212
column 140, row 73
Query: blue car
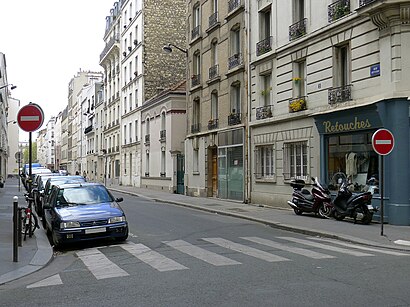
column 84, row 211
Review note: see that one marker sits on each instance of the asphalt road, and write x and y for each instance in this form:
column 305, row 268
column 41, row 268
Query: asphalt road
column 177, row 256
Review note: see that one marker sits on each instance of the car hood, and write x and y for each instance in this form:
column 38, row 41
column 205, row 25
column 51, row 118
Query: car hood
column 89, row 212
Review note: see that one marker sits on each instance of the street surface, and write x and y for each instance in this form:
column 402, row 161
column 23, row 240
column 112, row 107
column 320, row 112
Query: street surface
column 177, row 256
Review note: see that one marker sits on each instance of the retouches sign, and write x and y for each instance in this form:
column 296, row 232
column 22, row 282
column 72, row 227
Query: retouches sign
column 356, row 124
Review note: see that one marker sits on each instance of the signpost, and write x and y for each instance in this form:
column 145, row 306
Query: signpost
column 383, row 144
column 30, row 118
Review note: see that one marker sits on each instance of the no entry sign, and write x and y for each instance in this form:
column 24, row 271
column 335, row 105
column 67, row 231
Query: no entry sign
column 30, row 117
column 383, row 142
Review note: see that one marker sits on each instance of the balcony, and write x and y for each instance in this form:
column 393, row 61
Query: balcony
column 213, row 20
column 115, row 39
column 264, row 46
column 337, row 10
column 147, row 138
column 340, row 94
column 213, row 124
column 163, row 135
column 233, row 5
column 195, row 128
column 195, row 80
column 365, row 2
column 297, row 29
column 297, row 104
column 234, row 119
column 213, row 72
column 264, row 112
column 235, row 61
column 88, row 129
column 195, row 32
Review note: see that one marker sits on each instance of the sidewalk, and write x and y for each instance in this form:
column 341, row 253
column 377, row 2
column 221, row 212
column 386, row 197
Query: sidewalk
column 35, row 252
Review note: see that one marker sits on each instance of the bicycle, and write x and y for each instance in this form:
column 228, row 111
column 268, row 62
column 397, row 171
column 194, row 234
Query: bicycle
column 29, row 220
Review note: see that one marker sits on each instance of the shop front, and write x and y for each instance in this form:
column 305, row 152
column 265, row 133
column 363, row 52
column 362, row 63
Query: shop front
column 347, row 154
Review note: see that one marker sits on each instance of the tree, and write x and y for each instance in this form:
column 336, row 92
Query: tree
column 33, row 153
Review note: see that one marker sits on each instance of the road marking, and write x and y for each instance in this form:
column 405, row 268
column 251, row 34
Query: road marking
column 250, row 251
column 402, row 242
column 363, row 247
column 327, row 247
column 200, row 253
column 152, row 258
column 295, row 250
column 99, row 265
column 49, row 281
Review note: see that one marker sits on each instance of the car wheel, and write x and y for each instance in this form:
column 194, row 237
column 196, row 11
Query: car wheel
column 54, row 240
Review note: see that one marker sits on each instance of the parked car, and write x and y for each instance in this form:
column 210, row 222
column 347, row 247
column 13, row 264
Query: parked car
column 84, row 211
column 38, row 190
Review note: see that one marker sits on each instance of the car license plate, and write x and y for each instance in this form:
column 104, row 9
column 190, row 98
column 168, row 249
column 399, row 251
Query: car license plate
column 96, row 230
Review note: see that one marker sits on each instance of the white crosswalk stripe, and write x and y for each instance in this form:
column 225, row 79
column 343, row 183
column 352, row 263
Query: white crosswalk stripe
column 152, row 258
column 250, row 251
column 382, row 251
column 99, row 265
column 295, row 250
column 200, row 253
column 49, row 281
column 327, row 247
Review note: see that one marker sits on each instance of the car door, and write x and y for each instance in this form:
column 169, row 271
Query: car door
column 48, row 212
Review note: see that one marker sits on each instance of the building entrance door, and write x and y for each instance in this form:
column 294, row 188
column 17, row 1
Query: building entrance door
column 180, row 174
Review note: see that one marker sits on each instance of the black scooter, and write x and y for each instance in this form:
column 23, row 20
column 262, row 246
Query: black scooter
column 318, row 202
column 357, row 206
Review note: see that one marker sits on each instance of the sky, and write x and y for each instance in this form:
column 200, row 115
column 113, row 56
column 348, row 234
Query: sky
column 46, row 42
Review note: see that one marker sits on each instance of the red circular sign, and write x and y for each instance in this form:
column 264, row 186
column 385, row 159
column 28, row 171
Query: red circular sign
column 30, row 117
column 383, row 142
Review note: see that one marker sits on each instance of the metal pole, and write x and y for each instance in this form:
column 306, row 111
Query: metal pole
column 382, row 195
column 30, row 179
column 15, row 229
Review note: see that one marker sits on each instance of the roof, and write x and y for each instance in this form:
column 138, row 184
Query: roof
column 79, row 184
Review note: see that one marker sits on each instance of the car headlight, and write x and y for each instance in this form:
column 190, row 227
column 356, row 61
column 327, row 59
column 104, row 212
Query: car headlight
column 69, row 225
column 116, row 219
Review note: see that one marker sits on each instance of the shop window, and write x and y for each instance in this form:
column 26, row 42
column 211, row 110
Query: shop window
column 295, row 160
column 265, row 162
column 351, row 157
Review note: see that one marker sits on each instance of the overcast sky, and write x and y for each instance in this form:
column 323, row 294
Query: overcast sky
column 46, row 42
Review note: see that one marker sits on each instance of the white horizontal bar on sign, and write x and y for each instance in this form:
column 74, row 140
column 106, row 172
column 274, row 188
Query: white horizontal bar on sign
column 383, row 142
column 29, row 118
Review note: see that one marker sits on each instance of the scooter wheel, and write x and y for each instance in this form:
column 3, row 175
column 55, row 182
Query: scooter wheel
column 298, row 211
column 324, row 211
column 338, row 216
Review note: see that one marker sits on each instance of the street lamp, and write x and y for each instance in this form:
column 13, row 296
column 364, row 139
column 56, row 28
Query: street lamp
column 168, row 48
column 12, row 87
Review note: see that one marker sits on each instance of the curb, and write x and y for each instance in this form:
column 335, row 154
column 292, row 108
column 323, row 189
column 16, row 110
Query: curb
column 277, row 225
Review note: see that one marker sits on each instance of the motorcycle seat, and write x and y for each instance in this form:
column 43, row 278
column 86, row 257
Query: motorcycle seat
column 307, row 195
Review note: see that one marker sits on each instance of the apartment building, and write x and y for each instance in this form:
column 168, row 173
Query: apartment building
column 64, row 140
column 324, row 76
column 13, row 136
column 137, row 69
column 217, row 99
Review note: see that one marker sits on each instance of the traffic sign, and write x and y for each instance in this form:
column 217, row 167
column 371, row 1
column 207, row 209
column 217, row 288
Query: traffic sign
column 18, row 155
column 383, row 142
column 30, row 117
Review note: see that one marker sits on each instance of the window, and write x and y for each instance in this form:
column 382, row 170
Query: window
column 125, row 105
column 295, row 160
column 163, row 163
column 125, row 76
column 214, row 53
column 136, row 131
column 342, row 65
column 130, row 132
column 195, row 161
column 236, row 97
column 147, row 165
column 125, row 163
column 196, row 16
column 125, row 134
column 265, row 162
column 267, row 89
column 299, row 79
column 163, row 121
column 197, row 63
column 136, row 98
column 130, row 102
column 298, row 10
column 265, row 23
column 214, row 105
column 235, row 41
column 196, row 114
column 214, row 6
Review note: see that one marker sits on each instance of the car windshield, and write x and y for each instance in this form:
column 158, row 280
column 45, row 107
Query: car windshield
column 84, row 195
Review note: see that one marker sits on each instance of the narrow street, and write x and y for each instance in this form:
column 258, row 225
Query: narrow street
column 177, row 256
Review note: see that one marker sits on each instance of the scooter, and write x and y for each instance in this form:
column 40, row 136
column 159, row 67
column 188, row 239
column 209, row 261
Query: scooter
column 318, row 202
column 357, row 206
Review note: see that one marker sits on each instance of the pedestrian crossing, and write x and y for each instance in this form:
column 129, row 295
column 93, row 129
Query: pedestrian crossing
column 97, row 260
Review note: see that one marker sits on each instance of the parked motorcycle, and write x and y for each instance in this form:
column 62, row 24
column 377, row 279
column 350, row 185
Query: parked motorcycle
column 318, row 201
column 357, row 206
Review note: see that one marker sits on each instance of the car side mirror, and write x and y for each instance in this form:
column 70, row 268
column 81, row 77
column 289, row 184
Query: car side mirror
column 119, row 199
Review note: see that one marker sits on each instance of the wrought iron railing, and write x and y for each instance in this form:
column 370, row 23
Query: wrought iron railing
column 213, row 20
column 162, row 135
column 234, row 119
column 340, row 94
column 298, row 29
column 338, row 9
column 147, row 138
column 213, row 124
column 195, row 32
column 365, row 2
column 162, row 174
column 264, row 112
column 233, row 5
column 195, row 128
column 235, row 60
column 264, row 46
column 110, row 43
column 297, row 104
column 195, row 80
column 88, row 129
column 213, row 72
